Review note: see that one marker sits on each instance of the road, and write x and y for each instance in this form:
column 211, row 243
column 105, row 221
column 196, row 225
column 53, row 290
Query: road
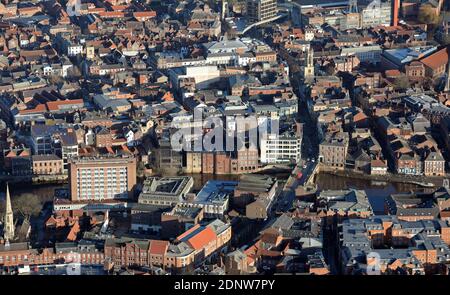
column 67, row 270
column 38, row 227
column 287, row 196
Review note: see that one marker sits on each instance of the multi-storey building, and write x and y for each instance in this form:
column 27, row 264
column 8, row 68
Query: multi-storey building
column 376, row 13
column 366, row 14
column 166, row 191
column 213, row 198
column 22, row 254
column 345, row 204
column 47, row 165
column 412, row 206
column 168, row 159
column 106, row 178
column 434, row 164
column 185, row 253
column 246, row 161
column 261, row 10
column 41, row 138
column 281, row 148
column 333, row 150
column 413, row 247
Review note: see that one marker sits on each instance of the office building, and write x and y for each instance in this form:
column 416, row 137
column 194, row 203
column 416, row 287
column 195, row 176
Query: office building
column 213, row 197
column 261, row 10
column 282, row 148
column 106, row 178
column 166, row 191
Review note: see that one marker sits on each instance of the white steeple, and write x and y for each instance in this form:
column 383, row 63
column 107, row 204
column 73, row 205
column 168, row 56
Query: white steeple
column 8, row 229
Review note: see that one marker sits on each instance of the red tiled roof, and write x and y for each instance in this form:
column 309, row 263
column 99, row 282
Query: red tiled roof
column 189, row 231
column 112, row 14
column 203, row 238
column 359, row 116
column 251, row 251
column 40, row 108
column 445, row 214
column 436, row 59
column 24, row 153
column 96, row 10
column 378, row 163
column 392, row 73
column 125, row 148
column 110, row 150
column 11, row 154
column 158, row 247
column 119, row 7
column 72, row 236
column 55, row 105
column 50, row 221
column 270, row 236
column 145, row 14
column 168, row 96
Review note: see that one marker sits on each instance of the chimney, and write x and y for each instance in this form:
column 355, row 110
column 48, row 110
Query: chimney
column 395, row 12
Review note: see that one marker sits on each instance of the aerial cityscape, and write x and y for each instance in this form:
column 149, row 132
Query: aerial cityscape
column 225, row 137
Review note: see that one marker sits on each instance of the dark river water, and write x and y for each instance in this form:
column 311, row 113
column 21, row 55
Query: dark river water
column 376, row 191
column 44, row 192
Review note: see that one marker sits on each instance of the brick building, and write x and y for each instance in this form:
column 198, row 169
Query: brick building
column 105, row 178
column 333, row 150
column 434, row 164
column 180, row 256
column 436, row 63
column 47, row 164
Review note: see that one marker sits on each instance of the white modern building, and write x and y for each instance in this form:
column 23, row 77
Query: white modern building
column 74, row 49
column 376, row 13
column 282, row 148
column 203, row 75
column 213, row 197
column 369, row 53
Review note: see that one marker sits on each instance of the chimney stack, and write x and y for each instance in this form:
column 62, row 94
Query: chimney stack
column 395, row 12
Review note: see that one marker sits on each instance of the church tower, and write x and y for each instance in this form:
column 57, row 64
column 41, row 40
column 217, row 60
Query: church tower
column 309, row 64
column 8, row 228
column 225, row 9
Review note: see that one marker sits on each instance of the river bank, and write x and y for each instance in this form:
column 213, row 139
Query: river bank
column 40, row 179
column 419, row 180
column 377, row 191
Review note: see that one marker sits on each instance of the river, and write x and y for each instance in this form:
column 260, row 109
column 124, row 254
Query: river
column 44, row 192
column 377, row 192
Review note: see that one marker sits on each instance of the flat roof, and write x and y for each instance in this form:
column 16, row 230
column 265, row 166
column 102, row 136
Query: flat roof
column 215, row 191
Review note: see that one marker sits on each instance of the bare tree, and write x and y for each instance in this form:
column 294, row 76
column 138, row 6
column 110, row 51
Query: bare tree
column 74, row 72
column 401, row 83
column 427, row 14
column 26, row 204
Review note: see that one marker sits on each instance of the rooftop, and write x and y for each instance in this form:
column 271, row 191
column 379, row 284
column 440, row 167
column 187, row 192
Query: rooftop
column 215, row 191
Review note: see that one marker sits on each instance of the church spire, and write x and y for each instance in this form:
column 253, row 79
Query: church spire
column 8, row 228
